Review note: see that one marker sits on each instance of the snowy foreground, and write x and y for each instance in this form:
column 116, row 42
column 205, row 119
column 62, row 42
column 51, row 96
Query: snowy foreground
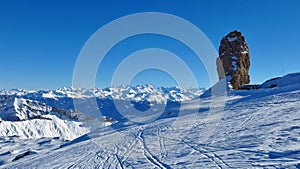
column 258, row 129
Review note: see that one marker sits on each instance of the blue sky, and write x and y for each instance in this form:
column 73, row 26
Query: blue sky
column 40, row 40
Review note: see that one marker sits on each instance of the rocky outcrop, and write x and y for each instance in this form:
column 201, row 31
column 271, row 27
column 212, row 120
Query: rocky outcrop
column 234, row 59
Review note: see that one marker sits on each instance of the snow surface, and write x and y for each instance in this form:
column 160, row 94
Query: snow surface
column 231, row 39
column 258, row 129
column 288, row 80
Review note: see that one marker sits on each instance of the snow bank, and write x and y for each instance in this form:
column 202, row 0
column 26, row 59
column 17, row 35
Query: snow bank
column 287, row 80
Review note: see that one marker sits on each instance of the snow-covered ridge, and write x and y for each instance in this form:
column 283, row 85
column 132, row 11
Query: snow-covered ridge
column 50, row 126
column 34, row 119
column 18, row 109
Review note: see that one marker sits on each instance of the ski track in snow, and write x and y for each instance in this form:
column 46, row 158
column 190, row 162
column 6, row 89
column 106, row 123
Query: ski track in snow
column 162, row 145
column 149, row 156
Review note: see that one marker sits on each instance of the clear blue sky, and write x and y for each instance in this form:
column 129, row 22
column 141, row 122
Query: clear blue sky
column 40, row 40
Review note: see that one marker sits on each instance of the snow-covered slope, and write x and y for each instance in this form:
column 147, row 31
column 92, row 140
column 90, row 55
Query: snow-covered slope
column 19, row 109
column 258, row 129
column 33, row 119
column 51, row 126
column 288, row 80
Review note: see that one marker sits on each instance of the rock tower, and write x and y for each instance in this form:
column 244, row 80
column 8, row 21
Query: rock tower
column 234, row 59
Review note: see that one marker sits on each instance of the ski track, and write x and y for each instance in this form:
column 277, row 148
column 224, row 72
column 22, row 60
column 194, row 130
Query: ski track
column 162, row 145
column 129, row 148
column 119, row 162
column 216, row 160
column 148, row 155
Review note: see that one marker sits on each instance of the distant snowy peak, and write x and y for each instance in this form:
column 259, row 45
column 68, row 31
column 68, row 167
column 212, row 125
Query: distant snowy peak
column 21, row 105
column 16, row 92
column 145, row 92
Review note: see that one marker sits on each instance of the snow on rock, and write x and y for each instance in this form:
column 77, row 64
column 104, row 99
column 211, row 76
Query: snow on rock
column 230, row 39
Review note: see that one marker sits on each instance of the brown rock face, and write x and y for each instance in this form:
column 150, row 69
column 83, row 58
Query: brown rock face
column 234, row 59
